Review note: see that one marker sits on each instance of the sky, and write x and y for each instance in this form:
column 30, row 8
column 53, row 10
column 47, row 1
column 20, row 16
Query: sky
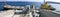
column 34, row 0
column 57, row 6
column 31, row 0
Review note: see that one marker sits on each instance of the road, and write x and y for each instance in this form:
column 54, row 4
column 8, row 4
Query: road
column 48, row 14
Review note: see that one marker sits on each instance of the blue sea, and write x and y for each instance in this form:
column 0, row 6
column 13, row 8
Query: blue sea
column 21, row 3
column 37, row 4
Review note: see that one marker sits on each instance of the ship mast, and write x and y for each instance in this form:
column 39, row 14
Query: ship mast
column 44, row 1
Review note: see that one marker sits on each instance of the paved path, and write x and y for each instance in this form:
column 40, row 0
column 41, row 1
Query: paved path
column 48, row 14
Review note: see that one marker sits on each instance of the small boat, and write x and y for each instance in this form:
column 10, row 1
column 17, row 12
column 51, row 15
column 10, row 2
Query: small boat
column 9, row 7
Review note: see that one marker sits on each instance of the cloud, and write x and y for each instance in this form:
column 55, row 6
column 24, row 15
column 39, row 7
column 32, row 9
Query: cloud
column 2, row 0
column 34, row 0
column 27, row 0
column 54, row 0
